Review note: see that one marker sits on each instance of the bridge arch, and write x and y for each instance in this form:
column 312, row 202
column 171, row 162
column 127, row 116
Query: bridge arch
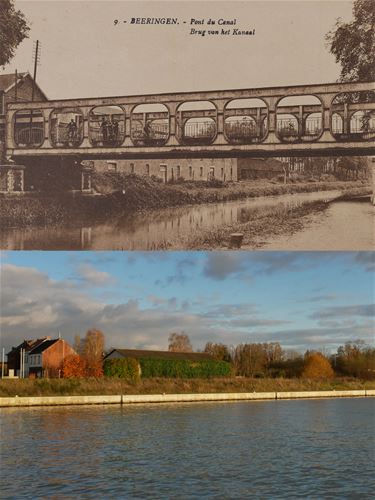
column 66, row 127
column 107, row 126
column 357, row 112
column 245, row 121
column 299, row 118
column 149, row 124
column 196, row 122
column 28, row 128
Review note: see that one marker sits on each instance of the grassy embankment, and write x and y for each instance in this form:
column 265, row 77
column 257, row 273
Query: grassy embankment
column 143, row 194
column 115, row 386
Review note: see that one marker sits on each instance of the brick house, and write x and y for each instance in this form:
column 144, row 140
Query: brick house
column 14, row 356
column 43, row 357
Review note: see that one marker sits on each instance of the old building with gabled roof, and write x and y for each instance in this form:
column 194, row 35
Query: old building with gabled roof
column 42, row 357
column 14, row 87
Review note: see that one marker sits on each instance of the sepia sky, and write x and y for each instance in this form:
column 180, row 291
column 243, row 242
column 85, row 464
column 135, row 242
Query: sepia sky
column 84, row 54
column 303, row 300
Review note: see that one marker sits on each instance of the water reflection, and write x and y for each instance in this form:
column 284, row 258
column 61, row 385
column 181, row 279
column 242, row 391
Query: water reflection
column 167, row 228
column 267, row 449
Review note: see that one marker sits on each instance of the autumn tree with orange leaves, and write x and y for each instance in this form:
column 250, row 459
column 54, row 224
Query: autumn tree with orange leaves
column 74, row 367
column 316, row 365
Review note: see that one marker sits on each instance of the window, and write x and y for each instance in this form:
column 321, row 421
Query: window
column 222, row 172
column 132, row 168
column 2, row 132
column 178, row 171
column 112, row 166
column 2, row 110
column 147, row 169
column 201, row 171
column 190, row 171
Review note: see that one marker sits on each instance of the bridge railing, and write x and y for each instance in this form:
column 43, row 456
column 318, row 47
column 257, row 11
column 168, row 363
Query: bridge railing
column 331, row 115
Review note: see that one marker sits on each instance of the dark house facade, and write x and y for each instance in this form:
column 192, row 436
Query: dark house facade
column 14, row 88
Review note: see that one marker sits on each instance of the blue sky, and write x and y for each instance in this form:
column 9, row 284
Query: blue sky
column 303, row 300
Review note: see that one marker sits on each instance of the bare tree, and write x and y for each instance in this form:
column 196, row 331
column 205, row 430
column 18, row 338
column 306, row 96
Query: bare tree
column 92, row 352
column 218, row 351
column 77, row 346
column 179, row 342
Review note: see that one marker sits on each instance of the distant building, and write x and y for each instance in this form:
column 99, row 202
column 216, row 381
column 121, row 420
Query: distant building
column 14, row 356
column 196, row 169
column 43, row 357
column 142, row 354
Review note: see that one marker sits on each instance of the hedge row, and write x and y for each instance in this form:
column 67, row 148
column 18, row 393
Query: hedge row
column 182, row 368
column 127, row 368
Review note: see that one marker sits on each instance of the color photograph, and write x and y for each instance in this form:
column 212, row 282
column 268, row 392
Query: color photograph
column 187, row 249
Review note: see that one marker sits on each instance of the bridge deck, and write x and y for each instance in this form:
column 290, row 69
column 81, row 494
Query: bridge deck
column 341, row 121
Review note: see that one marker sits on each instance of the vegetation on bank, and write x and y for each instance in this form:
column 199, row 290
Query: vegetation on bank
column 142, row 194
column 129, row 368
column 115, row 386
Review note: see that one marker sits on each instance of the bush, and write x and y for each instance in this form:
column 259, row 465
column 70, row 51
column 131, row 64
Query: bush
column 317, row 366
column 74, row 366
column 183, row 368
column 127, row 368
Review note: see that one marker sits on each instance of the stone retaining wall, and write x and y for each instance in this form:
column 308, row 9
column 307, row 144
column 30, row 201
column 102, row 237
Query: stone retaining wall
column 177, row 398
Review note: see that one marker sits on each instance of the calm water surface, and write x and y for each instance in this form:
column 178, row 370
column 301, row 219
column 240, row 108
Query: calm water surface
column 275, row 449
column 344, row 226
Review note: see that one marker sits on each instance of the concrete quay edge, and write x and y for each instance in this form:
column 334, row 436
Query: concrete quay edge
column 177, row 398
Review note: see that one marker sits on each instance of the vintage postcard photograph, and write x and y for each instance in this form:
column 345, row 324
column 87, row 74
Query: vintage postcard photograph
column 188, row 125
column 187, row 249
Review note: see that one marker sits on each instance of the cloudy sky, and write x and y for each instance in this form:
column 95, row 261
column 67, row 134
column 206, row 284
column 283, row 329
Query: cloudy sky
column 85, row 54
column 302, row 300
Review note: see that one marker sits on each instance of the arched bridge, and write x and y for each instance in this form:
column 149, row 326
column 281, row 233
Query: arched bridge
column 302, row 120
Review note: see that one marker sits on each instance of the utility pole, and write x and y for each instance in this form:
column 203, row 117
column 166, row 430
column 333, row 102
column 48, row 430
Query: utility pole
column 36, row 62
column 2, row 363
column 36, row 57
column 15, row 86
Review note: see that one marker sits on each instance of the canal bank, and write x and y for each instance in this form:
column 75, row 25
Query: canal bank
column 136, row 194
column 123, row 399
column 95, row 224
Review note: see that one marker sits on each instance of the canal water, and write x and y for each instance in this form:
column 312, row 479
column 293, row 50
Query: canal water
column 348, row 225
column 345, row 226
column 270, row 449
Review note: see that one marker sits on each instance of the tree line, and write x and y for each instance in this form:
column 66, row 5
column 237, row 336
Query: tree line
column 268, row 359
column 254, row 360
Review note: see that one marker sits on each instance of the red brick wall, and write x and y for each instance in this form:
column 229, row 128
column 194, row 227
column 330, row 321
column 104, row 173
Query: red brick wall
column 54, row 356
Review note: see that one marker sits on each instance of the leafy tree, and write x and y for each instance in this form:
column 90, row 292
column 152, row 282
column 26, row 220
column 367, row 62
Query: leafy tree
column 317, row 366
column 13, row 30
column 353, row 44
column 355, row 359
column 179, row 342
column 218, row 351
column 74, row 366
column 92, row 352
